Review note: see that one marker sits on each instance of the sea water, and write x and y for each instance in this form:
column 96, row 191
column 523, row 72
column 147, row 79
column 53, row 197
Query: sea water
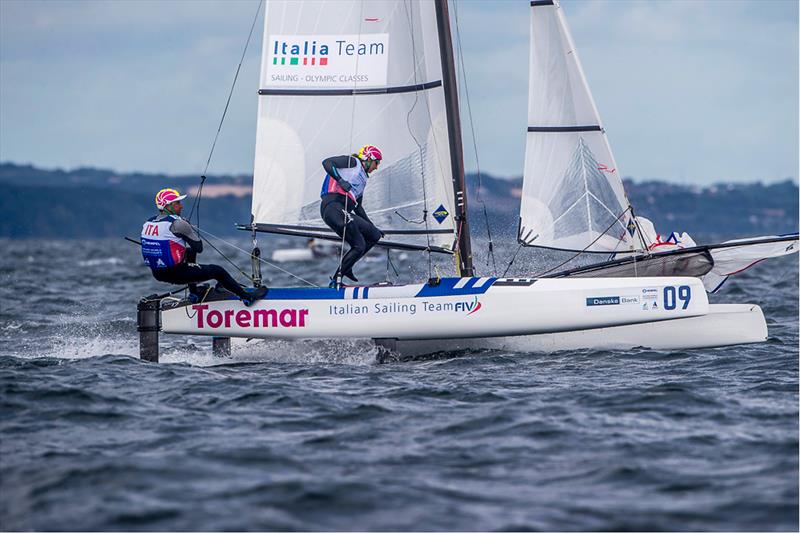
column 318, row 436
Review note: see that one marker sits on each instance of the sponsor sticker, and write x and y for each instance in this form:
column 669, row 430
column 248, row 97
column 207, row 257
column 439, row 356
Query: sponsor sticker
column 631, row 227
column 440, row 214
column 249, row 318
column 649, row 293
column 327, row 61
column 464, row 307
column 602, row 300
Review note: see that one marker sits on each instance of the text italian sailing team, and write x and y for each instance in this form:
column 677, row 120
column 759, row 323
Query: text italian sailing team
column 170, row 244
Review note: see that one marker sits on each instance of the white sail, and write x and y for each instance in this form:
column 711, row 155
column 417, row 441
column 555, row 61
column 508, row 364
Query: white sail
column 572, row 197
column 338, row 75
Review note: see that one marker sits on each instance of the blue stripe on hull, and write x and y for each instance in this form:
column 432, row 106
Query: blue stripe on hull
column 446, row 287
column 301, row 293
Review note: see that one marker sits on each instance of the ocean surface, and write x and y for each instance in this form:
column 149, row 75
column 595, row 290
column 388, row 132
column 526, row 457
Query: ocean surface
column 318, row 436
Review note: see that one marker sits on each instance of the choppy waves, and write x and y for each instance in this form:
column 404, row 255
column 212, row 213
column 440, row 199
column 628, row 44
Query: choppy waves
column 317, row 436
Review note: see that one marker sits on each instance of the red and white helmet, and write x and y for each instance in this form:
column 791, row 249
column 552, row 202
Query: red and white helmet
column 369, row 153
column 164, row 197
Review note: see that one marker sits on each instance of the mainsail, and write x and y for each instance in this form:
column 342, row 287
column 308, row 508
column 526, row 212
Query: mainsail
column 338, row 75
column 572, row 195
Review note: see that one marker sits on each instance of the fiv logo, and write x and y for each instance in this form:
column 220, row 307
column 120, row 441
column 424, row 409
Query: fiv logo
column 468, row 307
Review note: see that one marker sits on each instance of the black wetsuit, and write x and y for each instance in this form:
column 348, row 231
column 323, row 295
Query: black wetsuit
column 360, row 233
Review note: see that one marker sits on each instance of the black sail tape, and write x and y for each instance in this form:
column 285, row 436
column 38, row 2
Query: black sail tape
column 351, row 92
column 563, row 129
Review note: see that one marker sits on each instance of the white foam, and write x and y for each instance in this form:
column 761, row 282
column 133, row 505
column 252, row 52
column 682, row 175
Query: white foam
column 99, row 262
column 327, row 351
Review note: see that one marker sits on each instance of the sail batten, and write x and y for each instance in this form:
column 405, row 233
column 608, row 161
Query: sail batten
column 351, row 92
column 563, row 129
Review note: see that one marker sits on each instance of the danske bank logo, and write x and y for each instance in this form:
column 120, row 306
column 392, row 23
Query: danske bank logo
column 316, row 52
column 603, row 300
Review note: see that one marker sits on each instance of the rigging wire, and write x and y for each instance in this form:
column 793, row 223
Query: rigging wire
column 229, row 260
column 512, row 260
column 198, row 196
column 577, row 254
column 409, row 16
column 479, row 197
column 587, row 246
column 260, row 259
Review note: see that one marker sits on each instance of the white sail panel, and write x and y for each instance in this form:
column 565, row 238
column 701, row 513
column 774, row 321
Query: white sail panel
column 572, row 197
column 336, row 76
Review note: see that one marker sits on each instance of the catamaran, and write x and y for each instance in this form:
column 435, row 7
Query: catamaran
column 335, row 75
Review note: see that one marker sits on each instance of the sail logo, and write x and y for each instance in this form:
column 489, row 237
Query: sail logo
column 631, row 227
column 326, row 61
column 440, row 214
column 283, row 50
column 313, row 50
column 249, row 318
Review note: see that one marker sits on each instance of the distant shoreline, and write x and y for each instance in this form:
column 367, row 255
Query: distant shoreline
column 98, row 203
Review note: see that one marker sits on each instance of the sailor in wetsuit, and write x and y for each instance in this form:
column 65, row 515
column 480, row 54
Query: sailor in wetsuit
column 342, row 191
column 170, row 246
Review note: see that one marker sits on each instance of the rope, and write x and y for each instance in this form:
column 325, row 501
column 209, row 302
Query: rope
column 390, row 264
column 474, row 143
column 345, row 214
column 644, row 248
column 345, row 217
column 196, row 202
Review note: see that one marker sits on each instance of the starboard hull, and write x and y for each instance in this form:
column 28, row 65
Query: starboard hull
column 452, row 309
column 724, row 325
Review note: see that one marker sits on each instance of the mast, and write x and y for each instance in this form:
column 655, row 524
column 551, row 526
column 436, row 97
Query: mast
column 464, row 251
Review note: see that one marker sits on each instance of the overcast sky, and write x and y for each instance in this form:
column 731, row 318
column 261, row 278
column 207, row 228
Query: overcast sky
column 689, row 91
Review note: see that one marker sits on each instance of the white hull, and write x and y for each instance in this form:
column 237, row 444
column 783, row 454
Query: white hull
column 456, row 308
column 724, row 325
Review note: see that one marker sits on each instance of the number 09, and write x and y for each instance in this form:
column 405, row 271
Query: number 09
column 673, row 295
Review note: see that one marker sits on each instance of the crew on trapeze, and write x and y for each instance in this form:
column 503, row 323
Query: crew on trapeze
column 170, row 246
column 342, row 191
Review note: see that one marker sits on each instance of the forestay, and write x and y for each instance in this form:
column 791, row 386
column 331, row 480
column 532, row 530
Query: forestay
column 338, row 75
column 572, row 197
